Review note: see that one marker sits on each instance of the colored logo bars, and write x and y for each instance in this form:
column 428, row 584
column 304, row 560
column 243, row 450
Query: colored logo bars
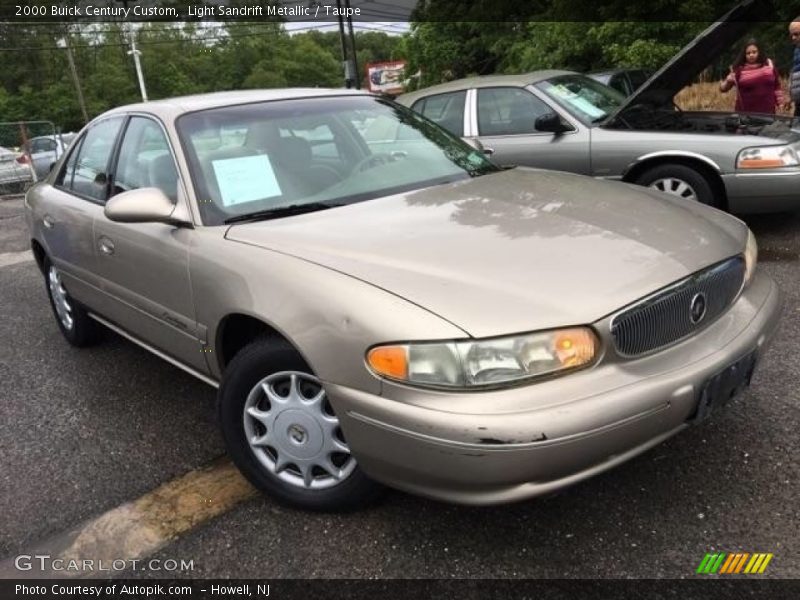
column 727, row 563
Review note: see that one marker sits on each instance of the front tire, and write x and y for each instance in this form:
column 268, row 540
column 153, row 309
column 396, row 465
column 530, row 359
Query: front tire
column 282, row 433
column 77, row 327
column 680, row 180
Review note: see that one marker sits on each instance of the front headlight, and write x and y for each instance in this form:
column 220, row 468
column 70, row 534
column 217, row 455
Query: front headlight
column 471, row 364
column 767, row 157
column 750, row 257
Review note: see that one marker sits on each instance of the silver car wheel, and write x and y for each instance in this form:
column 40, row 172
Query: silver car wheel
column 675, row 186
column 60, row 300
column 293, row 432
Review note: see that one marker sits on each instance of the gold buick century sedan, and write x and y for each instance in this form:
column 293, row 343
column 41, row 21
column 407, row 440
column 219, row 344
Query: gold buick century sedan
column 377, row 303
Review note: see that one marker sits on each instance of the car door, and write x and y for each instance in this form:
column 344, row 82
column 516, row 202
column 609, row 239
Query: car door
column 145, row 266
column 65, row 212
column 506, row 126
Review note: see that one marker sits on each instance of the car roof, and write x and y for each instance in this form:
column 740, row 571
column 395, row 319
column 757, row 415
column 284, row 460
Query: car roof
column 173, row 107
column 609, row 72
column 520, row 80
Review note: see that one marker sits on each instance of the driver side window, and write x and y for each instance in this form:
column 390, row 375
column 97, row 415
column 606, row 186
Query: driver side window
column 508, row 111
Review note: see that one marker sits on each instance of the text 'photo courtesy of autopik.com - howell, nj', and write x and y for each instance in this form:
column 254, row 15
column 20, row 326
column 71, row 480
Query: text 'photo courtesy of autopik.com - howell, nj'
column 340, row 299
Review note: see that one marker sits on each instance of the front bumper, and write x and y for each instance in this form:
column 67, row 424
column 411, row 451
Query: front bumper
column 761, row 192
column 505, row 445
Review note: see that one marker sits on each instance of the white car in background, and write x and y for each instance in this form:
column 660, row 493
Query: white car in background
column 45, row 150
column 15, row 174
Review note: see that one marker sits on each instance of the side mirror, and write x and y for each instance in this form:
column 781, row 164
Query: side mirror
column 550, row 122
column 145, row 205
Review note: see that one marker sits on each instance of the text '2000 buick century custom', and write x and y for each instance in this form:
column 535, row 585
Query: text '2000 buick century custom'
column 378, row 303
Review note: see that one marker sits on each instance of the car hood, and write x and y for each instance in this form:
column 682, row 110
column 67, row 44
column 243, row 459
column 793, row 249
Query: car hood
column 687, row 64
column 513, row 251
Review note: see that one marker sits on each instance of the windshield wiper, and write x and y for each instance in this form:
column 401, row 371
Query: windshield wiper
column 280, row 211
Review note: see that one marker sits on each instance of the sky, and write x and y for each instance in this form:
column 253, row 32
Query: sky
column 388, row 27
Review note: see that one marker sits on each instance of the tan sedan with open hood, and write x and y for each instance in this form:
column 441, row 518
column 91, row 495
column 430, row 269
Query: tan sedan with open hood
column 377, row 302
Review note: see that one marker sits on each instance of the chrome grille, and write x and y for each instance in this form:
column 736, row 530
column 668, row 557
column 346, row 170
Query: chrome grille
column 666, row 317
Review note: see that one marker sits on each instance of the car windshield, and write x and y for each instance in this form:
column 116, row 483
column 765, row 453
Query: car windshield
column 268, row 159
column 586, row 99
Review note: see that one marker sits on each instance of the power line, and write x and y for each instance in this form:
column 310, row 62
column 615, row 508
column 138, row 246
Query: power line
column 197, row 40
column 365, row 11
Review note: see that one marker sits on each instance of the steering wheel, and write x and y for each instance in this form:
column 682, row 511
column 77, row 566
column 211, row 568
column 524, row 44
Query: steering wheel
column 372, row 161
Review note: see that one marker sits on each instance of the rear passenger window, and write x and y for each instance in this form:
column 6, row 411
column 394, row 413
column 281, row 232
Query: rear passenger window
column 145, row 160
column 446, row 110
column 86, row 172
column 42, row 145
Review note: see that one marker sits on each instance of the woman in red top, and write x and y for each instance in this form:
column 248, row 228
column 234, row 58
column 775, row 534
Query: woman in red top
column 756, row 80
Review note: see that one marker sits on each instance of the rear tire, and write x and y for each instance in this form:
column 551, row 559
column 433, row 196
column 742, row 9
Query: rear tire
column 680, row 180
column 77, row 327
column 282, row 433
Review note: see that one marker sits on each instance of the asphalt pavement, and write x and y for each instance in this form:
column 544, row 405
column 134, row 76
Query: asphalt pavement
column 84, row 431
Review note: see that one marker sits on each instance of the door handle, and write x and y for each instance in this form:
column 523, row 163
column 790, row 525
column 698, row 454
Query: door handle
column 488, row 151
column 106, row 245
column 48, row 221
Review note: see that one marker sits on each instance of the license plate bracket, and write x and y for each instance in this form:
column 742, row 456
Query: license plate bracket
column 721, row 387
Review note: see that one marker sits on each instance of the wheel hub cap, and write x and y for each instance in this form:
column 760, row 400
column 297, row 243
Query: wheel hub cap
column 676, row 187
column 60, row 298
column 294, row 434
column 297, row 434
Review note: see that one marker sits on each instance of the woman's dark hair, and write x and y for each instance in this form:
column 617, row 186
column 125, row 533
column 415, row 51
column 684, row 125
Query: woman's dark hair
column 741, row 59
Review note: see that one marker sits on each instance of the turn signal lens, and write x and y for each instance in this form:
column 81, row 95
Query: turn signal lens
column 389, row 361
column 767, row 157
column 574, row 347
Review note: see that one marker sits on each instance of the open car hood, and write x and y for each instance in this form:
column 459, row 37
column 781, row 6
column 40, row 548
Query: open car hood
column 687, row 64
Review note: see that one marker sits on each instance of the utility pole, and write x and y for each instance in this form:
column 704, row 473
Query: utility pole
column 356, row 78
column 138, row 64
column 75, row 79
column 349, row 71
column 136, row 53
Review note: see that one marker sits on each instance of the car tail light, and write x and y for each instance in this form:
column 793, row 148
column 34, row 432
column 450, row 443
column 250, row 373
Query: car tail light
column 23, row 159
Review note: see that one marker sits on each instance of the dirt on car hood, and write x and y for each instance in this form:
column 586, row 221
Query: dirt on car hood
column 514, row 251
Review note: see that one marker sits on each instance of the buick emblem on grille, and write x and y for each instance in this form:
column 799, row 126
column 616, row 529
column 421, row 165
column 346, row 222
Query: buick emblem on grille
column 697, row 309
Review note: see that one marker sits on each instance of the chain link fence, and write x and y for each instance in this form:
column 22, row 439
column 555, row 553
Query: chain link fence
column 28, row 151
